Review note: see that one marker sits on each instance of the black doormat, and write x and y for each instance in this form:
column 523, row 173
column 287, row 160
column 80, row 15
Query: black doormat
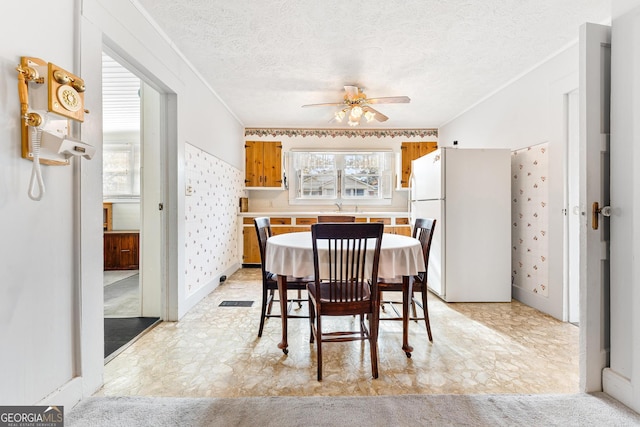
column 236, row 304
column 120, row 330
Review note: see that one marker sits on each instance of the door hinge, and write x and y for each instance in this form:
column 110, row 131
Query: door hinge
column 160, row 206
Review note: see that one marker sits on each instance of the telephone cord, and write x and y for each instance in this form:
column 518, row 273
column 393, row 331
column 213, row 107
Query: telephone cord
column 36, row 172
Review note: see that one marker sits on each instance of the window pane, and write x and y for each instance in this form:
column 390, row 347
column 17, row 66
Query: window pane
column 318, row 175
column 120, row 176
column 362, row 175
column 319, row 186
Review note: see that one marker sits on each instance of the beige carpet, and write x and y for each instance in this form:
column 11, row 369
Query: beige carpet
column 389, row 411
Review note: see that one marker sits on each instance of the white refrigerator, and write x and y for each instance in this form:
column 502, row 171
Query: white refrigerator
column 468, row 192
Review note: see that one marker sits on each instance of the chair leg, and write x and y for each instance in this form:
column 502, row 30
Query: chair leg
column 312, row 319
column 299, row 298
column 373, row 343
column 271, row 298
column 264, row 309
column 413, row 308
column 425, row 308
column 319, row 345
column 407, row 296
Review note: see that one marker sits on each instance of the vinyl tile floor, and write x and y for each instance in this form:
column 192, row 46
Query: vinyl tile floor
column 214, row 351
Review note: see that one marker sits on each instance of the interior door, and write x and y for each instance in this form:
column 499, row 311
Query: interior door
column 595, row 90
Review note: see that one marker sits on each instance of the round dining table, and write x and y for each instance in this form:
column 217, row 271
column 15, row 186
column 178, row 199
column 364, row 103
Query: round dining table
column 291, row 254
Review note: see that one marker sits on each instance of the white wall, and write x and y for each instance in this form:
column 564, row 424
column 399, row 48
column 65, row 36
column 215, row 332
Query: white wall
column 38, row 294
column 527, row 112
column 622, row 379
column 51, row 251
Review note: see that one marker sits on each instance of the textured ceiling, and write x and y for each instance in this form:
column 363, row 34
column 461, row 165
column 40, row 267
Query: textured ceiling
column 265, row 59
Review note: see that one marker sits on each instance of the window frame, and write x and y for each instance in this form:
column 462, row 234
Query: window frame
column 385, row 164
column 132, row 173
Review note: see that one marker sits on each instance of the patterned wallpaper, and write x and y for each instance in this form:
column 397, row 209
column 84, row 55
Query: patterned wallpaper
column 530, row 218
column 211, row 221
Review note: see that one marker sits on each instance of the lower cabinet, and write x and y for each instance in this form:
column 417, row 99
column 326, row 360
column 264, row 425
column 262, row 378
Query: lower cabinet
column 251, row 249
column 121, row 250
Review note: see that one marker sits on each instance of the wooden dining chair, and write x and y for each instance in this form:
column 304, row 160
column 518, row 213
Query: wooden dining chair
column 423, row 230
column 345, row 283
column 270, row 280
column 336, row 218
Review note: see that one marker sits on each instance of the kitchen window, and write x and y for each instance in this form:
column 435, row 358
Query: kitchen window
column 341, row 176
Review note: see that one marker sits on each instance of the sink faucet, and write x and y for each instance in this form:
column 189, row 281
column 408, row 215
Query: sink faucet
column 339, row 205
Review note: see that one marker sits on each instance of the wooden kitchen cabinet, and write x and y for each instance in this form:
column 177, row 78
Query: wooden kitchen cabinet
column 263, row 164
column 403, row 227
column 121, row 250
column 403, row 230
column 251, row 250
column 411, row 151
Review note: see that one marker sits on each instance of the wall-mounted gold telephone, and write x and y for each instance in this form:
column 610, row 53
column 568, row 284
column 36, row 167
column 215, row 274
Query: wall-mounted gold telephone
column 49, row 97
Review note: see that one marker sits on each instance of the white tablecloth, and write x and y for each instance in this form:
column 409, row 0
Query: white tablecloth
column 291, row 254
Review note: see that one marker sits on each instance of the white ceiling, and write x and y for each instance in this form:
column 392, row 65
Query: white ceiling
column 265, row 59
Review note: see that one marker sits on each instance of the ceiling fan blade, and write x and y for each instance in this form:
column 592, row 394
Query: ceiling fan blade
column 326, row 104
column 378, row 115
column 389, row 100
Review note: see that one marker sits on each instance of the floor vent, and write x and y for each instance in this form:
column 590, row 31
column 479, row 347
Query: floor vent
column 236, row 304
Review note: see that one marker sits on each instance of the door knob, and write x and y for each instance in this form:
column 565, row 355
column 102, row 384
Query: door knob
column 597, row 210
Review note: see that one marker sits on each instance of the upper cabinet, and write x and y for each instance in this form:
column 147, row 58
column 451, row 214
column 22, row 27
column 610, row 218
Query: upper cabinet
column 411, row 151
column 263, row 164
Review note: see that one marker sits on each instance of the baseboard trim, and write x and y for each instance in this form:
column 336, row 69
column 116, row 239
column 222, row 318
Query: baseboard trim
column 68, row 395
column 619, row 387
column 197, row 296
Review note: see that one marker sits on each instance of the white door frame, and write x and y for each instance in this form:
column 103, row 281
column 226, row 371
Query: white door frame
column 571, row 296
column 166, row 121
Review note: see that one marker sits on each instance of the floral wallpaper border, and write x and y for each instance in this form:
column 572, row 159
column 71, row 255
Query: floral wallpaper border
column 349, row 133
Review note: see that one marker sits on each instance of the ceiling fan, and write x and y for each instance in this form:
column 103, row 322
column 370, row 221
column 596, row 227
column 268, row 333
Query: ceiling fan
column 356, row 105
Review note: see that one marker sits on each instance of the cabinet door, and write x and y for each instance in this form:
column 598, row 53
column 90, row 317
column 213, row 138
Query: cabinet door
column 403, row 230
column 121, row 251
column 411, row 151
column 129, row 245
column 250, row 248
column 111, row 251
column 263, row 164
column 254, row 154
column 272, row 161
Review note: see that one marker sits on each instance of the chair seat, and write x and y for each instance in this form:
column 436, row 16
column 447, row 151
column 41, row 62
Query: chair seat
column 325, row 289
column 395, row 283
column 291, row 281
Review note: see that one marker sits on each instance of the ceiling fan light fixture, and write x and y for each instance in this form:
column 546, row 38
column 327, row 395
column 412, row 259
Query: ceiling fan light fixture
column 369, row 115
column 356, row 112
column 356, row 105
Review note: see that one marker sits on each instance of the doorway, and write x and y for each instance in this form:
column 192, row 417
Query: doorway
column 131, row 190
